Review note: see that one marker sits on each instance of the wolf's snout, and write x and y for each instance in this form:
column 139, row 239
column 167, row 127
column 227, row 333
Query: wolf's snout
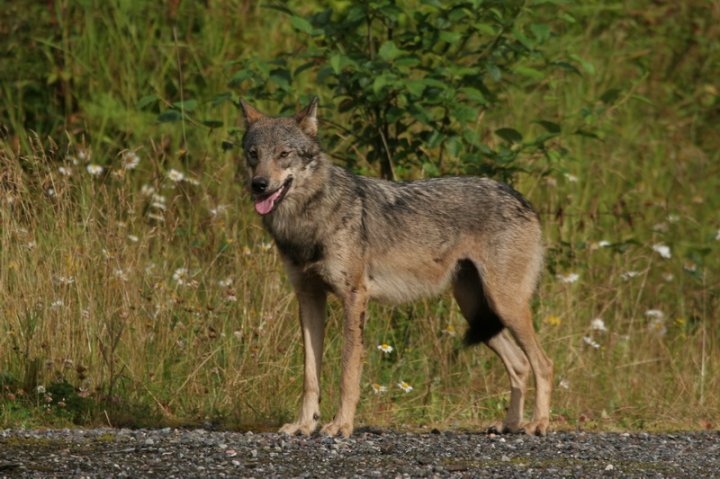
column 259, row 185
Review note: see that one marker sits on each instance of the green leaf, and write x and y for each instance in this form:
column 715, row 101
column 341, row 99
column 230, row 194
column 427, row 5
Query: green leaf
column 277, row 6
column 510, row 135
column 187, row 105
column 450, row 37
column 239, row 77
column 169, row 116
column 389, row 51
column 281, row 77
column 549, row 126
column 145, row 101
column 301, row 24
column 540, row 31
column 610, row 96
column 227, row 145
column 523, row 39
column 212, row 123
column 380, row 82
column 336, row 62
column 485, row 29
column 567, row 66
column 474, row 94
column 415, row 87
column 587, row 66
column 530, row 72
column 587, row 134
column 221, row 98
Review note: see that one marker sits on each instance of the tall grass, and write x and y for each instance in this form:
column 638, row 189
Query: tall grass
column 133, row 296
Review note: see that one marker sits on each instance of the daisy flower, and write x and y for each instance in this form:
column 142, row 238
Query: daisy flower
column 404, row 386
column 94, row 170
column 568, row 278
column 385, row 348
column 662, row 250
column 175, row 176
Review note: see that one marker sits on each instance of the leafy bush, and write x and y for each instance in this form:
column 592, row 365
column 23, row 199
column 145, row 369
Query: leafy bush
column 413, row 80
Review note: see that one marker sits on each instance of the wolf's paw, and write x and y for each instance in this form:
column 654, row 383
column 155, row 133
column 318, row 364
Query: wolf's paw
column 295, row 428
column 334, row 428
column 502, row 427
column 536, row 428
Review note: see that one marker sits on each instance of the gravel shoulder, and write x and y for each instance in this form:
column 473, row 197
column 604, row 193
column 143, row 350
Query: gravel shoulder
column 175, row 453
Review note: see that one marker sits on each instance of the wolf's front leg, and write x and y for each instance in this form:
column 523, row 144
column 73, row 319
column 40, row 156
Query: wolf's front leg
column 312, row 320
column 353, row 326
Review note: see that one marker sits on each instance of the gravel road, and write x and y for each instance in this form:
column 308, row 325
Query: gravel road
column 176, row 453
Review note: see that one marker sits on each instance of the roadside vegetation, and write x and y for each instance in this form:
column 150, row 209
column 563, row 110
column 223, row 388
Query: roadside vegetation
column 138, row 288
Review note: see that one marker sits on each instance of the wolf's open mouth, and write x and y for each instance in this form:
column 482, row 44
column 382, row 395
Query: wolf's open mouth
column 265, row 204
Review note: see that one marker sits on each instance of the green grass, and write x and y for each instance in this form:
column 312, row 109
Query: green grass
column 88, row 296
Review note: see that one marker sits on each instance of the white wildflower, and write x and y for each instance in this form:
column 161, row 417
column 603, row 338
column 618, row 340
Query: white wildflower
column 629, row 275
column 51, row 192
column 662, row 250
column 379, row 388
column 404, row 386
column 180, row 276
column 133, row 238
column 672, row 218
column 219, row 209
column 568, row 278
column 571, row 178
column 175, row 175
column 225, row 283
column 192, row 181
column 717, row 235
column 58, row 303
column 598, row 324
column 31, row 245
column 657, row 326
column 385, row 348
column 65, row 171
column 265, row 246
column 564, row 384
column 147, row 190
column 654, row 313
column 120, row 274
column 130, row 160
column 40, row 389
column 668, row 277
column 64, row 280
column 94, row 170
column 591, row 342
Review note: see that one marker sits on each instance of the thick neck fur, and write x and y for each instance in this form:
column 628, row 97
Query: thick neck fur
column 294, row 222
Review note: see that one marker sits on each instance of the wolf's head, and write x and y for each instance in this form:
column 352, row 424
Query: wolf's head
column 281, row 154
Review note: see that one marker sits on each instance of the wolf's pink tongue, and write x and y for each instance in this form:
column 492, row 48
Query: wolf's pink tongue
column 265, row 205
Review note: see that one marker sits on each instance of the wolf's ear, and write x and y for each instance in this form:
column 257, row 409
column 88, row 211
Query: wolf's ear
column 307, row 119
column 250, row 113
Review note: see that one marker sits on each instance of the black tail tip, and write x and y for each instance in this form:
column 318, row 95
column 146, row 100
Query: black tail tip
column 481, row 332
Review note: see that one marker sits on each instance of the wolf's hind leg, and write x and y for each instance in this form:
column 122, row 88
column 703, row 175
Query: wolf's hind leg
column 484, row 325
column 518, row 369
column 311, row 299
column 517, row 317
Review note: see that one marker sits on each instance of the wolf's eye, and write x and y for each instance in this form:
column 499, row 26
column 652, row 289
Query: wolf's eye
column 284, row 154
column 252, row 156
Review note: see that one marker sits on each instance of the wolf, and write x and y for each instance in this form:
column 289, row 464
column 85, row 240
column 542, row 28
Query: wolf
column 363, row 238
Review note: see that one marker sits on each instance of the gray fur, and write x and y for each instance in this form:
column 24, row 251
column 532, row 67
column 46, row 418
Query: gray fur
column 364, row 238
